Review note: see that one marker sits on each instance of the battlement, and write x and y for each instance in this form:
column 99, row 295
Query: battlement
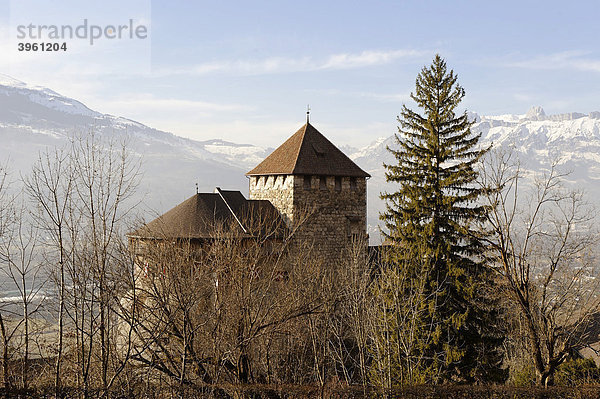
column 309, row 176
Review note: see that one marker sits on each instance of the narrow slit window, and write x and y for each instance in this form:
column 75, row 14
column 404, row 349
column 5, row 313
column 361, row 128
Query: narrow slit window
column 307, row 182
column 353, row 183
column 338, row 183
column 323, row 183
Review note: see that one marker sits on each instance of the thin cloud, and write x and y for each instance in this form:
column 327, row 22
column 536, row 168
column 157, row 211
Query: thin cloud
column 273, row 65
column 163, row 112
column 179, row 116
column 367, row 58
column 382, row 97
column 576, row 60
column 237, row 130
column 524, row 97
column 398, row 97
column 170, row 104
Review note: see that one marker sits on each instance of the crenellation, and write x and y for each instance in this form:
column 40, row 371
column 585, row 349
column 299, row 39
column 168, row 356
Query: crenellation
column 337, row 217
column 292, row 179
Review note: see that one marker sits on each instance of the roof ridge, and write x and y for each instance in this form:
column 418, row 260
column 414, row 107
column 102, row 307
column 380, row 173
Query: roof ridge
column 218, row 189
column 300, row 155
column 297, row 155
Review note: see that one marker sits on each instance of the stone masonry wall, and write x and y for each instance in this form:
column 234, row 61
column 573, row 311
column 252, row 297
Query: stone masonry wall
column 277, row 189
column 335, row 214
column 338, row 215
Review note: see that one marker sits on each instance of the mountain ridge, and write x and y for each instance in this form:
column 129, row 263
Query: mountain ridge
column 35, row 117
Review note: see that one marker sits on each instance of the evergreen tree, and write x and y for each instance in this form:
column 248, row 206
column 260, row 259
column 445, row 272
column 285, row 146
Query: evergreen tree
column 430, row 223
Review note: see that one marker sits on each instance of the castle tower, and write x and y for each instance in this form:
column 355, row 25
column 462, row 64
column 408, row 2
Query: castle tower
column 308, row 173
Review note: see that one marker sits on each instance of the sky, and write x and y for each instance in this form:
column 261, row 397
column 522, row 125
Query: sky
column 246, row 71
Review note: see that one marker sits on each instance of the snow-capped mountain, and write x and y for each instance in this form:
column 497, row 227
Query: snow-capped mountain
column 33, row 118
column 572, row 140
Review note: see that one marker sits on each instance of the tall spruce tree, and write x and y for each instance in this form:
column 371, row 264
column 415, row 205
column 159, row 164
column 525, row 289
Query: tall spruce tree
column 430, row 223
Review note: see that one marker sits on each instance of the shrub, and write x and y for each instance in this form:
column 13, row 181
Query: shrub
column 577, row 372
column 523, row 376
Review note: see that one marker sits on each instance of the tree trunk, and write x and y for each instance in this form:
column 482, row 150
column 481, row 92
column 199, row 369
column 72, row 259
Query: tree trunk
column 25, row 367
column 61, row 310
column 5, row 375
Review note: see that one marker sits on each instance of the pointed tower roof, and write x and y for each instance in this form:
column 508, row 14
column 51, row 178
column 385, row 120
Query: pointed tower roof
column 308, row 152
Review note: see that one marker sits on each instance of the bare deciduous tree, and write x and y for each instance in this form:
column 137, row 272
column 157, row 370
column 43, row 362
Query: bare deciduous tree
column 232, row 308
column 50, row 188
column 106, row 177
column 542, row 241
column 84, row 194
column 20, row 257
column 6, row 220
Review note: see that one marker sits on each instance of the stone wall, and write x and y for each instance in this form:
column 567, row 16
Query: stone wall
column 336, row 208
column 338, row 214
column 279, row 189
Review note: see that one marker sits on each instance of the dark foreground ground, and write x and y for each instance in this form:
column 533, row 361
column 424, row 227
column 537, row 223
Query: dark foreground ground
column 306, row 392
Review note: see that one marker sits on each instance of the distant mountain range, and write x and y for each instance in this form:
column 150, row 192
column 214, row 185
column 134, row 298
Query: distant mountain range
column 572, row 139
column 33, row 118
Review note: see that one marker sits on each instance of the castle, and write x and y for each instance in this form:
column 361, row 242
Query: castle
column 307, row 174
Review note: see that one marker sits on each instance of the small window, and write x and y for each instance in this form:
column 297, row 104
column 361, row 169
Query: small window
column 354, row 227
column 353, row 183
column 338, row 183
column 323, row 183
column 307, row 182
